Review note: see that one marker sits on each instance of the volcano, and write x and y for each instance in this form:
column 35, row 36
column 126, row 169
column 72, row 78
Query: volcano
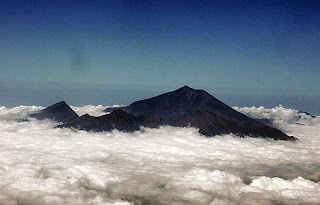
column 60, row 112
column 184, row 107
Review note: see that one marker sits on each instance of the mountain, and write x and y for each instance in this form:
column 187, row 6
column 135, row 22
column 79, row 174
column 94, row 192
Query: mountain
column 111, row 109
column 60, row 112
column 118, row 119
column 183, row 107
column 181, row 102
column 197, row 108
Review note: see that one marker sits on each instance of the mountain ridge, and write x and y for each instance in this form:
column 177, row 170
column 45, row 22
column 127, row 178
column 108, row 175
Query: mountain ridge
column 60, row 112
column 179, row 108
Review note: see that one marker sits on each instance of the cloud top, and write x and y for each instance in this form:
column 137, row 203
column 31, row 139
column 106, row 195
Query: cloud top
column 43, row 165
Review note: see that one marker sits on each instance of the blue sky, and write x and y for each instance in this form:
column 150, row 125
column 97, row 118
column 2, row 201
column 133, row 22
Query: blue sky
column 244, row 46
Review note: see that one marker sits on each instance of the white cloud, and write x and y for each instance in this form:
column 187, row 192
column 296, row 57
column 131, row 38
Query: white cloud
column 279, row 115
column 92, row 109
column 43, row 165
column 17, row 112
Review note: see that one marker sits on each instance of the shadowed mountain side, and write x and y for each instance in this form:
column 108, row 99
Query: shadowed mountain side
column 183, row 107
column 180, row 102
column 208, row 123
column 60, row 112
column 111, row 109
column 187, row 106
column 118, row 119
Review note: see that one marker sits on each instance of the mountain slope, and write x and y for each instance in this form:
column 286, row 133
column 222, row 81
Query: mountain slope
column 183, row 107
column 183, row 101
column 60, row 112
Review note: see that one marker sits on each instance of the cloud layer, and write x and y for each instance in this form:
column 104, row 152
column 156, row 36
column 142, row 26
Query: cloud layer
column 43, row 165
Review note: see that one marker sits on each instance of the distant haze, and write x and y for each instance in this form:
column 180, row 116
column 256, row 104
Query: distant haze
column 11, row 97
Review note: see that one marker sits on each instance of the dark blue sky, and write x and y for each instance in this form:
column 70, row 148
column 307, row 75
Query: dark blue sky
column 244, row 46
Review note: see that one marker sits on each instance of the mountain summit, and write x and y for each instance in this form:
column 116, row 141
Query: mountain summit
column 60, row 112
column 181, row 102
column 183, row 107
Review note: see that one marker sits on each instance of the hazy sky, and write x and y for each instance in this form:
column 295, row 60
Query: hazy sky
column 240, row 46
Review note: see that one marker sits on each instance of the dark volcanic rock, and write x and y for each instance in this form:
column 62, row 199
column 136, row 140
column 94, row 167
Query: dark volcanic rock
column 266, row 122
column 118, row 119
column 181, row 102
column 111, row 109
column 308, row 114
column 60, row 112
column 181, row 108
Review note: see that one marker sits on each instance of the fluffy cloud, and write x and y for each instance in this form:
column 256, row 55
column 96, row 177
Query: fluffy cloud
column 92, row 109
column 43, row 165
column 279, row 115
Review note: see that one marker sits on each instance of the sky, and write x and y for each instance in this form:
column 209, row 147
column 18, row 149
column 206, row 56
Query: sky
column 238, row 47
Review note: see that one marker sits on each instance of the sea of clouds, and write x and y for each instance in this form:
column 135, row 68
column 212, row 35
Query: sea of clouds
column 41, row 164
